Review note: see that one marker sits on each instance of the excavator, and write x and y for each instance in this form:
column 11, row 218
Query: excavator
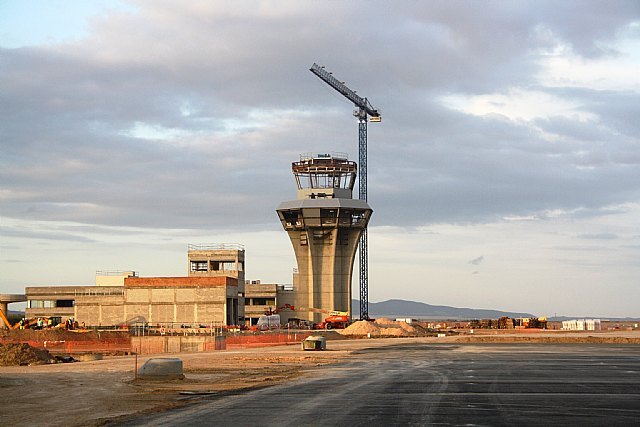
column 6, row 321
column 29, row 323
column 335, row 320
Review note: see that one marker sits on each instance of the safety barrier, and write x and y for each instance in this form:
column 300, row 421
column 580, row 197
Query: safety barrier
column 177, row 344
column 166, row 344
column 267, row 339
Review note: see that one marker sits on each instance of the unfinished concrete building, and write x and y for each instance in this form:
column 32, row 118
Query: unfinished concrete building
column 166, row 300
column 324, row 224
column 262, row 298
column 211, row 294
column 220, row 260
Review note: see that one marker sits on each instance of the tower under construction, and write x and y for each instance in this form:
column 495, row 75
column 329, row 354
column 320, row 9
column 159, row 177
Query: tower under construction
column 324, row 224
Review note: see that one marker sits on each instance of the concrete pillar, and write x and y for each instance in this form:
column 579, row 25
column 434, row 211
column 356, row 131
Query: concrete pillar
column 3, row 307
column 5, row 299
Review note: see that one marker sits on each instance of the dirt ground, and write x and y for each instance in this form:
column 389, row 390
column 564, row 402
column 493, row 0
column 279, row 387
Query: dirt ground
column 90, row 393
column 96, row 392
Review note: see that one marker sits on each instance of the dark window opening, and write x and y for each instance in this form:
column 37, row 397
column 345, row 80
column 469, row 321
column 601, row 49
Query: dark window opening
column 291, row 218
column 263, row 301
column 328, row 216
column 345, row 217
column 65, row 303
column 223, row 265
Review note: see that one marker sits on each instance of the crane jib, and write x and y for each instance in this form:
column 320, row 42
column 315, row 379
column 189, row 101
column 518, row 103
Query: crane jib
column 357, row 100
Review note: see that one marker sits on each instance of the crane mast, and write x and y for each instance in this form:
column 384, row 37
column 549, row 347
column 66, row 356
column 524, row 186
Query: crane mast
column 364, row 114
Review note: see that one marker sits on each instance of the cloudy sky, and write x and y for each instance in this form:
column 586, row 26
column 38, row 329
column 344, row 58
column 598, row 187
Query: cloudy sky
column 505, row 173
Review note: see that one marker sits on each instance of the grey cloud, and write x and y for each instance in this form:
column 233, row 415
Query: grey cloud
column 52, row 235
column 477, row 261
column 66, row 110
column 598, row 236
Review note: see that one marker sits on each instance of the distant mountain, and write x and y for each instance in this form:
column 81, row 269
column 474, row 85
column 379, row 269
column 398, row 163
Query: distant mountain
column 402, row 308
column 612, row 319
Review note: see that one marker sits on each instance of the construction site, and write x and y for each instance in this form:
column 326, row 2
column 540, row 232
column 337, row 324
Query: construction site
column 222, row 334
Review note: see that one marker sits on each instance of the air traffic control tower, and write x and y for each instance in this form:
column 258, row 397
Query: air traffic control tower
column 324, row 225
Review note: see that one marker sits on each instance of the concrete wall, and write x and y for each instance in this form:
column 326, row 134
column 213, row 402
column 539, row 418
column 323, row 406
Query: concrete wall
column 234, row 256
column 257, row 291
column 113, row 279
column 90, row 296
column 177, row 344
column 153, row 300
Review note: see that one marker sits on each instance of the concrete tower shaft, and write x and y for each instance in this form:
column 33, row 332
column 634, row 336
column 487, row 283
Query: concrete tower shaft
column 324, row 225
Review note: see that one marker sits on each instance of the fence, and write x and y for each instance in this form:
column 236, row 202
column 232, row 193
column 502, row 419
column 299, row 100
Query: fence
column 175, row 328
column 267, row 339
column 144, row 343
column 176, row 344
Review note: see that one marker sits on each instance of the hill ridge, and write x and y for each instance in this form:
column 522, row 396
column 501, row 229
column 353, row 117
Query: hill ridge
column 406, row 308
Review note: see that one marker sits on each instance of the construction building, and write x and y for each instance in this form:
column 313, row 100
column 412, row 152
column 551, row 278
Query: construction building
column 220, row 260
column 209, row 295
column 262, row 298
column 324, row 225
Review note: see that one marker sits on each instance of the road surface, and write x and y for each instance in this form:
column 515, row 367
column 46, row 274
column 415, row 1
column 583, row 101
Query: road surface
column 438, row 384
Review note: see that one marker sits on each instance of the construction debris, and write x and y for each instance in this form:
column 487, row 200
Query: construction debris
column 23, row 354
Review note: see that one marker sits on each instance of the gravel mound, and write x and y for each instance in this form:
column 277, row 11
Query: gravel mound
column 23, row 354
column 361, row 327
column 382, row 327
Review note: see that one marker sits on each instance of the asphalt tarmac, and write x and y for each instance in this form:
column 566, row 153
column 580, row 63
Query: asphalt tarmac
column 439, row 384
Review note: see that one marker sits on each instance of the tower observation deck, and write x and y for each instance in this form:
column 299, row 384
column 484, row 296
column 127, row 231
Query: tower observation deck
column 324, row 224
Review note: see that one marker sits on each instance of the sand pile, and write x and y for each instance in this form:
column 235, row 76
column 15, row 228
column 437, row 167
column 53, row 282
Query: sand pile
column 361, row 327
column 382, row 327
column 23, row 354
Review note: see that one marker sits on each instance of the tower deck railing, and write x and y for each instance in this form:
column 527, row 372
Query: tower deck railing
column 216, row 247
column 331, row 155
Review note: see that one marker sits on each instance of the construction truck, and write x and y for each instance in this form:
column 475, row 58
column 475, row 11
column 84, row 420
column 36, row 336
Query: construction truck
column 335, row 320
column 32, row 323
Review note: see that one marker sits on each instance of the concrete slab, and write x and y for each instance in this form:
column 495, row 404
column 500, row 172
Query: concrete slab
column 161, row 368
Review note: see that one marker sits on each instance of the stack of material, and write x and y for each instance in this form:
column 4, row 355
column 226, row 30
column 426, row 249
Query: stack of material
column 382, row 327
column 23, row 354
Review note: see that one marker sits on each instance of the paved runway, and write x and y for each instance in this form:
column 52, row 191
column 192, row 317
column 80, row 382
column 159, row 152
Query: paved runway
column 437, row 384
